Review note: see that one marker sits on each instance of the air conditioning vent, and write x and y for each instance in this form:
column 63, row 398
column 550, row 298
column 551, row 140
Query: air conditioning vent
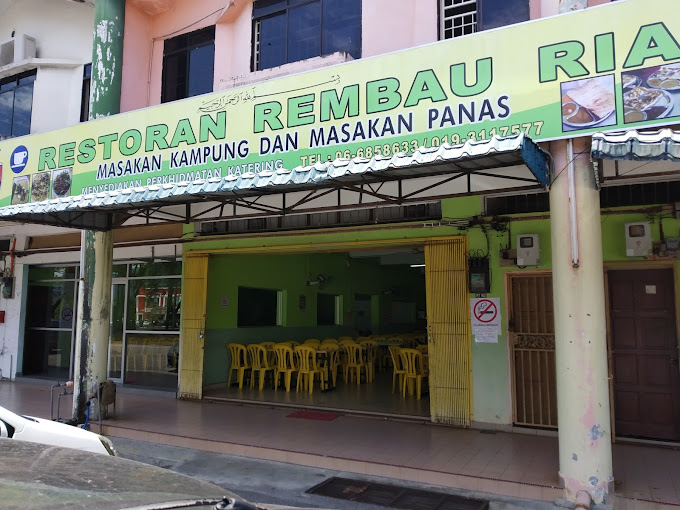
column 351, row 217
column 19, row 48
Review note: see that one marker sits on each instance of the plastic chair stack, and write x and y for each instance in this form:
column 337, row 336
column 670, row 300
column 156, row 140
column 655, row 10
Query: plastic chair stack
column 354, row 362
column 332, row 361
column 238, row 364
column 398, row 371
column 370, row 348
column 307, row 368
column 285, row 364
column 414, row 372
column 259, row 362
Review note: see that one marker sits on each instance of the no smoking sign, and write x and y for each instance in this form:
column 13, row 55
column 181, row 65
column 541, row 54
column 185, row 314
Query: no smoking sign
column 485, row 319
column 485, row 311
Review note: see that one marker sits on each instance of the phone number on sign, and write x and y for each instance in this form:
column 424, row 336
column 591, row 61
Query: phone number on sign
column 410, row 146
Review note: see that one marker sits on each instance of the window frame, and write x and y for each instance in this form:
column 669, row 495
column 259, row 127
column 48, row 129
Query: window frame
column 483, row 7
column 85, row 94
column 194, row 41
column 14, row 83
column 265, row 9
column 442, row 19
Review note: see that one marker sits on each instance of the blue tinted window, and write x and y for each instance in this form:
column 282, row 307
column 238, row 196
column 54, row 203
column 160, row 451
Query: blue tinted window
column 342, row 26
column 23, row 101
column 6, row 108
column 499, row 13
column 201, row 69
column 273, row 46
column 304, row 36
column 293, row 30
column 188, row 65
column 16, row 104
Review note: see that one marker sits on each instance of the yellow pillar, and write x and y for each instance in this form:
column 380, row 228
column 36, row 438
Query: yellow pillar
column 580, row 325
column 192, row 342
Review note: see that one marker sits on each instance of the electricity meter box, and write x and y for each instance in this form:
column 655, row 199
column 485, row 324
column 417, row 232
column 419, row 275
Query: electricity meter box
column 638, row 239
column 528, row 250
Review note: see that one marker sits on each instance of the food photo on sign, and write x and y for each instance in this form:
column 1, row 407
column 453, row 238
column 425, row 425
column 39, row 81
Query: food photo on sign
column 651, row 93
column 40, row 187
column 61, row 185
column 588, row 103
column 20, row 190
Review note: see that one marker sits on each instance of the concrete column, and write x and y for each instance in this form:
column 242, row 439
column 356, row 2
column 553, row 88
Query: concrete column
column 96, row 250
column 107, row 58
column 580, row 325
column 94, row 310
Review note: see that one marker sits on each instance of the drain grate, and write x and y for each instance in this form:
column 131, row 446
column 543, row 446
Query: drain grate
column 393, row 496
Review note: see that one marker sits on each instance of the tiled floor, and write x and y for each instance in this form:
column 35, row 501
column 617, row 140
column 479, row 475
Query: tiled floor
column 374, row 397
column 512, row 464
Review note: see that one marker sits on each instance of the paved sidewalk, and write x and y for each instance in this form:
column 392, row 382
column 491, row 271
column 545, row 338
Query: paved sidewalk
column 509, row 464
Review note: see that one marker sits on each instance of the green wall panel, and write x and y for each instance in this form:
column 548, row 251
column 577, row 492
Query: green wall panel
column 290, row 273
column 490, row 362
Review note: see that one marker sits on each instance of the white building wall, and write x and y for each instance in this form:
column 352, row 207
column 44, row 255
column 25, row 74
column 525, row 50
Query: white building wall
column 63, row 34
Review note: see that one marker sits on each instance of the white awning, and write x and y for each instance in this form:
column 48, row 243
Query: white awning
column 639, row 146
column 489, row 159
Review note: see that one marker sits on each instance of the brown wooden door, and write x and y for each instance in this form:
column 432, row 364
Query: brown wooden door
column 644, row 353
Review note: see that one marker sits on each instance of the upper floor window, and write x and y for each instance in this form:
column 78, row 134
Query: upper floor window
column 292, row 30
column 16, row 102
column 85, row 97
column 462, row 17
column 188, row 65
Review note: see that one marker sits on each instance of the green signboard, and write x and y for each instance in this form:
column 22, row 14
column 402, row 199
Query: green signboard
column 607, row 68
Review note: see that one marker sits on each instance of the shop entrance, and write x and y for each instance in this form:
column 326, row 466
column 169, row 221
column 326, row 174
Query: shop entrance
column 644, row 353
column 357, row 294
column 409, row 296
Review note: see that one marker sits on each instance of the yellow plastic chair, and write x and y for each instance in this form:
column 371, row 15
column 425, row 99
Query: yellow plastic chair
column 308, row 368
column 239, row 363
column 294, row 343
column 354, row 361
column 285, row 364
column 412, row 361
column 314, row 342
column 330, row 340
column 342, row 341
column 370, row 351
column 259, row 362
column 271, row 356
column 422, row 348
column 398, row 371
column 331, row 361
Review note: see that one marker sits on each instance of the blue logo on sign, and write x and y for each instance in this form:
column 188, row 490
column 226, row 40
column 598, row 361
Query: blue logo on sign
column 19, row 159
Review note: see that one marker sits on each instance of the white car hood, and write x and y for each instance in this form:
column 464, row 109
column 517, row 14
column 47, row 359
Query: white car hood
column 38, row 430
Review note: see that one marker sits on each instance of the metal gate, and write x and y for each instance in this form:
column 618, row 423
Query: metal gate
column 448, row 328
column 532, row 337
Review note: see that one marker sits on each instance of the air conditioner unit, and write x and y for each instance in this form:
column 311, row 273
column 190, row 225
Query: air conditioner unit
column 638, row 239
column 528, row 250
column 20, row 47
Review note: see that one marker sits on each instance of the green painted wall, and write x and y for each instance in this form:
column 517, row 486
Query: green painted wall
column 491, row 376
column 490, row 362
column 290, row 274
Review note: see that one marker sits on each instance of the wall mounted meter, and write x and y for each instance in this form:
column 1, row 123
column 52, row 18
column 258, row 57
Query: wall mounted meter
column 528, row 250
column 638, row 239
